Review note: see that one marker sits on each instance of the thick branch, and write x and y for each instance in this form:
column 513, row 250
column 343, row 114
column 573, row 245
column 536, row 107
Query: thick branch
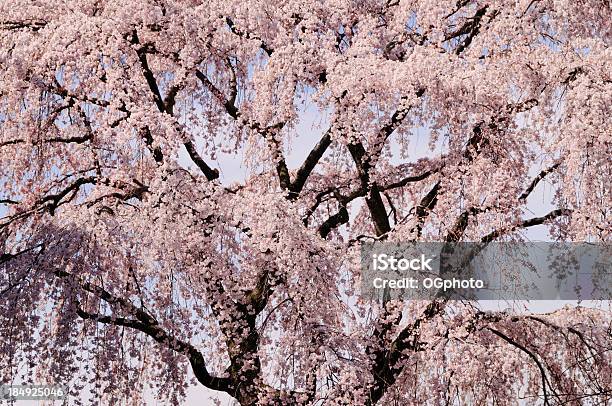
column 52, row 202
column 470, row 29
column 461, row 223
column 8, row 201
column 426, row 205
column 148, row 73
column 146, row 135
column 407, row 180
column 167, row 107
column 210, row 173
column 227, row 103
column 341, row 217
column 17, row 25
column 373, row 199
column 396, row 120
column 311, row 161
column 269, row 133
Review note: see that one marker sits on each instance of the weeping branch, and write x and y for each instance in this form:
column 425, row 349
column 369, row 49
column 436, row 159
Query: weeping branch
column 545, row 381
column 144, row 322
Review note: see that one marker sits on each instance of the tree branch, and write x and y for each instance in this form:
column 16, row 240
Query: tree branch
column 426, row 205
column 409, row 179
column 461, row 224
column 386, row 356
column 17, row 25
column 211, row 174
column 527, row 223
column 147, row 324
column 148, row 73
column 229, row 106
column 247, row 35
column 334, row 221
column 537, row 180
column 470, row 28
column 373, row 199
column 8, row 201
column 309, row 164
column 396, row 120
column 195, row 357
column 531, row 355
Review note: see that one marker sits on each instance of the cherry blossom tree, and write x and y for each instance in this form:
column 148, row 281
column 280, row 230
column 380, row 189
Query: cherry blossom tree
column 130, row 262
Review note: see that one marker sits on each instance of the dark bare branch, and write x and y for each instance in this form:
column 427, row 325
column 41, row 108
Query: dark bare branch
column 227, row 103
column 374, row 201
column 341, row 217
column 8, row 201
column 527, row 223
column 309, row 164
column 396, row 120
column 34, row 25
column 409, row 179
column 385, row 368
column 537, row 180
column 461, row 224
column 470, row 29
column 148, row 73
column 210, row 173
